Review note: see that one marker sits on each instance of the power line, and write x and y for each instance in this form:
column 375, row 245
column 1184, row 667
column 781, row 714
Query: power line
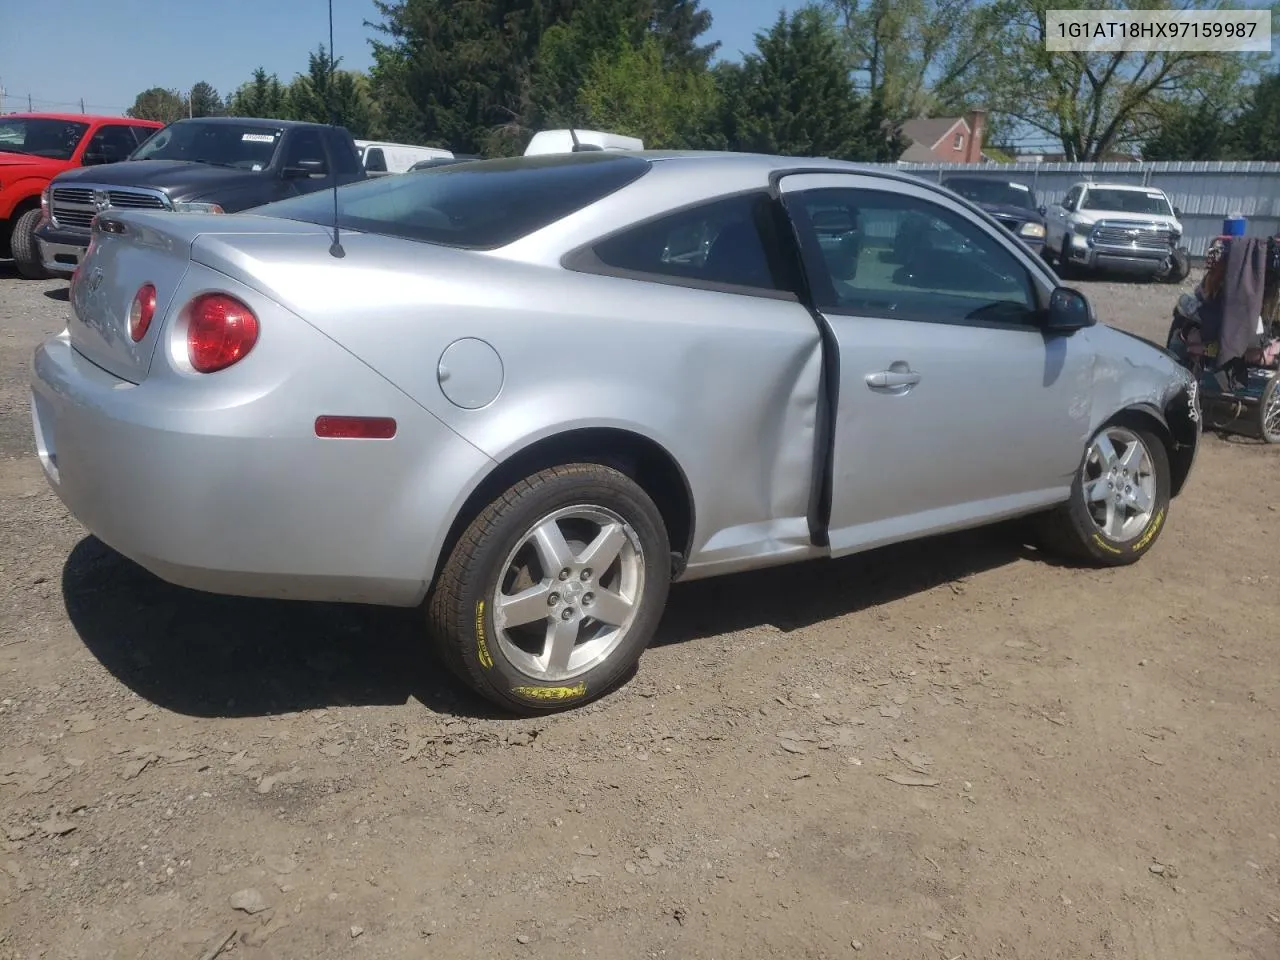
column 33, row 102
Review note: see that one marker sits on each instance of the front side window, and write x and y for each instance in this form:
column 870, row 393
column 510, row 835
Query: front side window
column 910, row 259
column 111, row 144
column 725, row 243
column 481, row 205
column 245, row 146
column 40, row 136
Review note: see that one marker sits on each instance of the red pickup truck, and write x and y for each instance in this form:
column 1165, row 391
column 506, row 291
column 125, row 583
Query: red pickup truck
column 35, row 148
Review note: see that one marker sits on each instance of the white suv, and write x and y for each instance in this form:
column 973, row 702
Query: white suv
column 1116, row 226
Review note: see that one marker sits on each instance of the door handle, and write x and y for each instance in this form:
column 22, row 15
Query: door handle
column 892, row 379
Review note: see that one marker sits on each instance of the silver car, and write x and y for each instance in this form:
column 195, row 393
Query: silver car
column 526, row 395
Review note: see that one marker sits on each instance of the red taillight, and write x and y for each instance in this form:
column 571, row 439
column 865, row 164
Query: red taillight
column 141, row 311
column 221, row 331
column 356, row 428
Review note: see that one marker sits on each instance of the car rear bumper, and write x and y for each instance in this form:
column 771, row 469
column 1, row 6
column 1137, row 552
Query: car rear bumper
column 60, row 250
column 215, row 496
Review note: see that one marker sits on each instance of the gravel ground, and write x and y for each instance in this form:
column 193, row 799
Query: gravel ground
column 951, row 749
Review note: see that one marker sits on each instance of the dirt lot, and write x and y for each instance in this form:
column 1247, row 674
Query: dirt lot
column 1094, row 753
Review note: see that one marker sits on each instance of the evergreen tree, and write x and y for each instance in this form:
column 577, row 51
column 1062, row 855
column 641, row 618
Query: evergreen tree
column 203, row 101
column 795, row 96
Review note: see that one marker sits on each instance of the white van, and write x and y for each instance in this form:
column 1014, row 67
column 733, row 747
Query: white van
column 381, row 158
column 563, row 141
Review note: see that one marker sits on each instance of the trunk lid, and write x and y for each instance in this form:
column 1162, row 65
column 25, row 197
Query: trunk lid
column 128, row 250
column 116, row 266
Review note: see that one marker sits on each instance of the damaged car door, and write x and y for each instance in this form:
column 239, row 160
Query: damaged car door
column 954, row 407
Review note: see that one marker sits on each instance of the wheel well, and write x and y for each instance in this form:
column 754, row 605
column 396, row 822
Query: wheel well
column 1179, row 447
column 640, row 458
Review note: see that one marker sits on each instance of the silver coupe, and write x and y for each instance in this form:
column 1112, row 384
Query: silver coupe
column 526, row 395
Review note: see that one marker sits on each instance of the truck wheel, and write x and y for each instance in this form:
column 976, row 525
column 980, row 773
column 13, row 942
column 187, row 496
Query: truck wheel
column 26, row 252
column 1119, row 500
column 552, row 593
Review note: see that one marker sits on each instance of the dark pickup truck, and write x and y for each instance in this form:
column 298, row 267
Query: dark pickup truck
column 202, row 165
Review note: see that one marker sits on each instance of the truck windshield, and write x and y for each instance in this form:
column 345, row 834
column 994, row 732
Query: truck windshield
column 480, row 204
column 248, row 146
column 994, row 192
column 40, row 136
column 1126, row 201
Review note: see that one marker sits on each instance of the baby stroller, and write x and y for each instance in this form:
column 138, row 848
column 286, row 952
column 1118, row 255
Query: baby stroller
column 1227, row 333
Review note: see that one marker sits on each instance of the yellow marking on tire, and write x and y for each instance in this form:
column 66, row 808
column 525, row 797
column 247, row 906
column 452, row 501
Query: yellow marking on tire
column 1097, row 538
column 1150, row 532
column 482, row 649
column 552, row 694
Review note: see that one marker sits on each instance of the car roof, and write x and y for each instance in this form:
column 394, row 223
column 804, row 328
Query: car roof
column 79, row 118
column 265, row 121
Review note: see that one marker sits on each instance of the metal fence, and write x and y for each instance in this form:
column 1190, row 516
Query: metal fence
column 1206, row 192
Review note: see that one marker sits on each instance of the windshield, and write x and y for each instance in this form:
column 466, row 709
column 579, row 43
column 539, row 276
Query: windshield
column 995, row 192
column 248, row 146
column 40, row 136
column 1126, row 201
column 477, row 205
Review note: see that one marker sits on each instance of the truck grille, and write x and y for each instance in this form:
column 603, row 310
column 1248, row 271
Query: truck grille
column 75, row 207
column 1133, row 236
column 1009, row 223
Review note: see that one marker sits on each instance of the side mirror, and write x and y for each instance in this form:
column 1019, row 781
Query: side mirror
column 1042, row 209
column 1177, row 213
column 306, row 168
column 94, row 159
column 1069, row 311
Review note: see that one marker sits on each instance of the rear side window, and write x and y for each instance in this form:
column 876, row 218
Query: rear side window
column 477, row 206
column 725, row 244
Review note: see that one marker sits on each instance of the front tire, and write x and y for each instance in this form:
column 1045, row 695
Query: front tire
column 552, row 593
column 1119, row 499
column 25, row 249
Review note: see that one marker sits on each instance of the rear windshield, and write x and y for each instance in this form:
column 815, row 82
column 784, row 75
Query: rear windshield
column 994, row 192
column 247, row 146
column 477, row 205
column 1126, row 201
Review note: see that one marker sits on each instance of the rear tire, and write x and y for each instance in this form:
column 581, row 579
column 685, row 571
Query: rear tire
column 576, row 631
column 25, row 249
column 1119, row 500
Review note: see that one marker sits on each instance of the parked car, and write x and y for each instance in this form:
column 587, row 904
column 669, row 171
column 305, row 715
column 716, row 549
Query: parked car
column 1011, row 204
column 35, row 148
column 529, row 393
column 205, row 165
column 1117, row 226
column 379, row 158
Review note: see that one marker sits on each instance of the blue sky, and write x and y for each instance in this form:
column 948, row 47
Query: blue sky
column 107, row 53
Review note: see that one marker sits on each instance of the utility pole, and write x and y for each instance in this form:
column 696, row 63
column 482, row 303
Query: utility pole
column 29, row 109
column 1, row 97
column 82, row 104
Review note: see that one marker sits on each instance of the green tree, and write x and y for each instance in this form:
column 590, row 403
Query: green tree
column 795, row 96
column 912, row 54
column 1091, row 102
column 158, row 104
column 203, row 101
column 632, row 91
column 262, row 96
column 1191, row 131
column 1257, row 129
